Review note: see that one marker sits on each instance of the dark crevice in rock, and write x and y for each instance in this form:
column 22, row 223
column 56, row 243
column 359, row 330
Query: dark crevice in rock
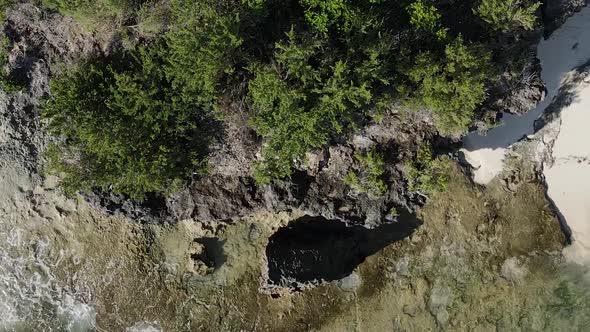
column 212, row 254
column 151, row 209
column 313, row 250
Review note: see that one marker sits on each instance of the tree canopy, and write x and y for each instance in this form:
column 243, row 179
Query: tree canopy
column 142, row 119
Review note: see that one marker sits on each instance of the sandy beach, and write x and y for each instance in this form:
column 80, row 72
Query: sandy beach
column 567, row 48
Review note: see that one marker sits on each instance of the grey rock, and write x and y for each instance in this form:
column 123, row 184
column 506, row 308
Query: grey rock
column 38, row 38
column 513, row 270
column 402, row 266
column 350, row 283
column 441, row 297
column 411, row 310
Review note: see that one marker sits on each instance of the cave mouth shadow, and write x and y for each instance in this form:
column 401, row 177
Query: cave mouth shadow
column 312, row 250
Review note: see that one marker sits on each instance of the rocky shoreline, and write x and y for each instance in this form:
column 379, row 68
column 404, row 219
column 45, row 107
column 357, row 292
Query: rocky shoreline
column 230, row 252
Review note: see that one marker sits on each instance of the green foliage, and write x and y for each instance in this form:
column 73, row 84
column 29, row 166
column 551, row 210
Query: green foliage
column 321, row 13
column 199, row 48
column 424, row 16
column 4, row 4
column 452, row 86
column 7, row 83
column 426, row 174
column 342, row 64
column 254, row 4
column 508, row 15
column 142, row 121
column 370, row 179
column 571, row 302
column 344, row 15
column 309, row 98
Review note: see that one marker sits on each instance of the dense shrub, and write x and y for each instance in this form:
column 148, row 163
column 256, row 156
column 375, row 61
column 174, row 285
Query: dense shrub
column 311, row 72
column 453, row 86
column 341, row 15
column 424, row 16
column 426, row 174
column 507, row 15
column 370, row 179
column 142, row 121
column 309, row 97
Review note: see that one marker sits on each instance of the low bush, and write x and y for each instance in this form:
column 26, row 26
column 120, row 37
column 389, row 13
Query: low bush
column 453, row 86
column 508, row 15
column 141, row 121
column 427, row 175
column 370, row 179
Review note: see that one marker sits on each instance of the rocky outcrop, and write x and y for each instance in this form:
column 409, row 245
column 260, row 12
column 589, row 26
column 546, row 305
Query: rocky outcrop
column 317, row 187
column 38, row 38
column 518, row 93
column 556, row 12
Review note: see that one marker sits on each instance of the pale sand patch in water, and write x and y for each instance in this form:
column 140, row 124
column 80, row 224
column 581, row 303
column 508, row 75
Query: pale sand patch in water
column 568, row 179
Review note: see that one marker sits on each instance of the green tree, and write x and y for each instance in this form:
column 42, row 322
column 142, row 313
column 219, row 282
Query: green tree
column 308, row 98
column 452, row 86
column 508, row 15
column 142, row 121
column 370, row 179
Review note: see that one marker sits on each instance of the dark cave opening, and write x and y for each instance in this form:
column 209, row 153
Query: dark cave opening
column 209, row 250
column 311, row 250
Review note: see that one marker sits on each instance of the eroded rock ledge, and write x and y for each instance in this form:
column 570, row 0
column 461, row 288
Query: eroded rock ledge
column 316, row 187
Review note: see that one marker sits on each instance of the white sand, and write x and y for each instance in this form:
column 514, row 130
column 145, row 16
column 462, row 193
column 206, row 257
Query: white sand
column 568, row 179
column 567, row 48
